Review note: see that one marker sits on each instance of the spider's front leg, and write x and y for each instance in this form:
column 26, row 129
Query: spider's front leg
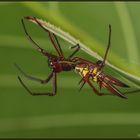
column 77, row 46
column 35, row 45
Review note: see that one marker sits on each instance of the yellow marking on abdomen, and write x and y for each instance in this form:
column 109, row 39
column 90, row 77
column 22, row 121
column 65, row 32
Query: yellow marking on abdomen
column 95, row 72
column 83, row 72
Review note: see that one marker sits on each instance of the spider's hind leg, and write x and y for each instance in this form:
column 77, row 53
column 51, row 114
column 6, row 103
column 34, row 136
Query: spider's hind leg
column 37, row 94
column 34, row 78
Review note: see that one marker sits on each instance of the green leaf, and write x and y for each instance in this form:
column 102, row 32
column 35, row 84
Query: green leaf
column 70, row 113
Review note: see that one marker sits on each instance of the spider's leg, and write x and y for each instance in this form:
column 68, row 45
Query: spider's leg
column 84, row 80
column 94, row 89
column 35, row 45
column 115, row 81
column 34, row 78
column 38, row 94
column 110, row 87
column 114, row 90
column 52, row 37
column 77, row 46
column 100, row 84
column 58, row 44
column 81, row 60
column 82, row 85
column 108, row 46
column 54, row 83
column 110, row 82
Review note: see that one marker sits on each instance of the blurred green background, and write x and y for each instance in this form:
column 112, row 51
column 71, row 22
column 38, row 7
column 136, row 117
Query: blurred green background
column 70, row 113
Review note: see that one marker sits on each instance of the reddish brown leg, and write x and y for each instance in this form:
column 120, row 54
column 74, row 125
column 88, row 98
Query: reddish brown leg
column 84, row 80
column 82, row 85
column 115, row 81
column 52, row 37
column 54, row 83
column 113, row 90
column 77, row 46
column 94, row 89
column 44, row 52
column 37, row 94
column 59, row 51
column 110, row 87
column 58, row 44
column 108, row 46
column 126, row 92
column 34, row 78
column 78, row 59
column 101, row 63
column 100, row 83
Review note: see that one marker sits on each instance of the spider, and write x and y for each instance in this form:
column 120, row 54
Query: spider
column 89, row 71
